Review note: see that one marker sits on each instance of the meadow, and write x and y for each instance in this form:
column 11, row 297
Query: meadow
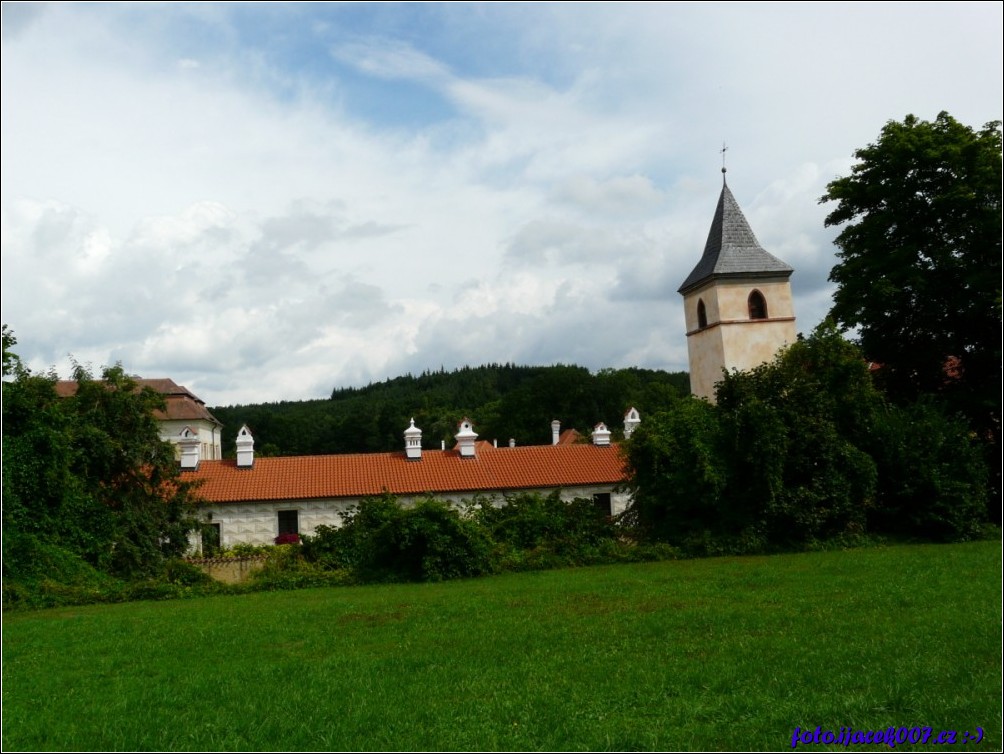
column 710, row 654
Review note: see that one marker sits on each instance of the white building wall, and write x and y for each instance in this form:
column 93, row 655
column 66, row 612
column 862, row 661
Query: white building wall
column 258, row 523
column 210, row 448
column 731, row 339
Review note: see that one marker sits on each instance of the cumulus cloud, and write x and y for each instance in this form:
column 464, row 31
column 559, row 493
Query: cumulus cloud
column 364, row 191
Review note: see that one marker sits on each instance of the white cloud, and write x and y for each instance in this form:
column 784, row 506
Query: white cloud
column 620, row 195
column 356, row 194
column 391, row 59
column 563, row 242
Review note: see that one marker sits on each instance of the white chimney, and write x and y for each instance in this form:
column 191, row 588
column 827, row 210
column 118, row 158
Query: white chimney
column 555, row 432
column 601, row 435
column 189, row 444
column 465, row 439
column 413, row 442
column 245, row 448
column 512, row 442
column 631, row 421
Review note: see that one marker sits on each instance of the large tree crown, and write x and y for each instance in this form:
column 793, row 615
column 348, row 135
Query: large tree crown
column 919, row 161
column 919, row 250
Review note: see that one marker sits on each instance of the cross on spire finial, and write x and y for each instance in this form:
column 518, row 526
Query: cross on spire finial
column 723, row 150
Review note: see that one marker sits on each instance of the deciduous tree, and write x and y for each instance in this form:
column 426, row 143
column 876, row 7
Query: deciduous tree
column 803, row 449
column 919, row 274
column 11, row 361
column 89, row 473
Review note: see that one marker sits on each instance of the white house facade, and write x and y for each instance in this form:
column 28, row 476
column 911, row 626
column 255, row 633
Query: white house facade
column 182, row 410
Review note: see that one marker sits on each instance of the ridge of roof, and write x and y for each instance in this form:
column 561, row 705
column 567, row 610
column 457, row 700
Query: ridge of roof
column 732, row 250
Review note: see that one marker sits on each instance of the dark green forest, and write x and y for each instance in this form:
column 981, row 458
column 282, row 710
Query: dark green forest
column 503, row 400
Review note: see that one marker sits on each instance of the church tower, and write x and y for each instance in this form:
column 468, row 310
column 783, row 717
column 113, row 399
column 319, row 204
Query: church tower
column 737, row 301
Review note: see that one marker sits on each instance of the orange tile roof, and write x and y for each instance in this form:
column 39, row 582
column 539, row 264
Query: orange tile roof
column 438, row 471
column 569, row 436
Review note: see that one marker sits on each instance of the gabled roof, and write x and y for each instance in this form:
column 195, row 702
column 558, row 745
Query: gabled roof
column 569, row 436
column 180, row 403
column 438, row 471
column 732, row 250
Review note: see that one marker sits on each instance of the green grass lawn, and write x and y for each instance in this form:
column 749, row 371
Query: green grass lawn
column 727, row 653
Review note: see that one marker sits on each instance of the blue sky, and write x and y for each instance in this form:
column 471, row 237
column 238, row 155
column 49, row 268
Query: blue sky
column 266, row 201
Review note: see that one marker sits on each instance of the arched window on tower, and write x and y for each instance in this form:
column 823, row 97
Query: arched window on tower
column 757, row 305
column 702, row 314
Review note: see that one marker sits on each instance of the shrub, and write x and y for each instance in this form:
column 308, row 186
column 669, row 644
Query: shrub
column 331, row 547
column 531, row 521
column 244, row 550
column 350, row 545
column 429, row 542
column 795, row 432
column 677, row 472
column 932, row 478
column 382, row 541
column 185, row 574
column 283, row 558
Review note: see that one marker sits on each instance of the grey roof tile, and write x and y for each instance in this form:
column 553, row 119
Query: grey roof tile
column 732, row 250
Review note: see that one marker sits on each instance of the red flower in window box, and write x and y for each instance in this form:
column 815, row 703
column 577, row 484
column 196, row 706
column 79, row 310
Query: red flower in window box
column 288, row 539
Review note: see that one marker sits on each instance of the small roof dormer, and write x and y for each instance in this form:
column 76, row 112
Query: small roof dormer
column 245, row 448
column 466, row 437
column 413, row 442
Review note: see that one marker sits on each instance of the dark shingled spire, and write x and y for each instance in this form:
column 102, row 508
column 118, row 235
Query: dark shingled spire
column 732, row 250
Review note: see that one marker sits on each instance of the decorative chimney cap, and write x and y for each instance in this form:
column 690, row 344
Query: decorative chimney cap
column 465, row 438
column 631, row 421
column 245, row 448
column 413, row 442
column 601, row 435
column 465, row 428
column 188, row 442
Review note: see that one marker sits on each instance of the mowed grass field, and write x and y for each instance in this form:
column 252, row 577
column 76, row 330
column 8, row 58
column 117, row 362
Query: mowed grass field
column 726, row 653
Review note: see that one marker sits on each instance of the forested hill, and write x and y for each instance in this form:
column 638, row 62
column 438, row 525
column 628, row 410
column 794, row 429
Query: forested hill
column 503, row 400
